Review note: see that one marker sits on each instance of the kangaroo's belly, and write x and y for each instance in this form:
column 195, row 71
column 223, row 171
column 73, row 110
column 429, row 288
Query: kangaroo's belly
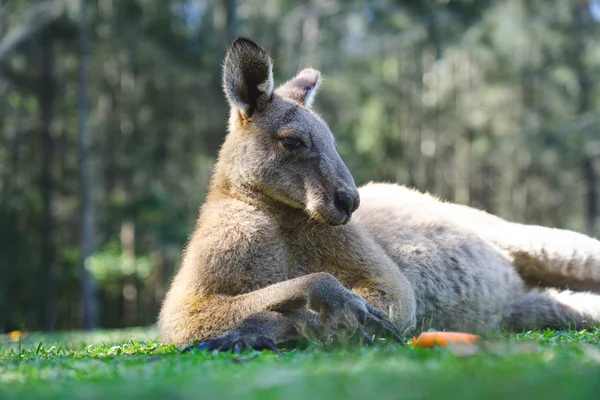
column 461, row 281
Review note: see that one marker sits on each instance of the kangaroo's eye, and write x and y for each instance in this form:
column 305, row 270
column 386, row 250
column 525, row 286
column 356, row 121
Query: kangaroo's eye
column 291, row 143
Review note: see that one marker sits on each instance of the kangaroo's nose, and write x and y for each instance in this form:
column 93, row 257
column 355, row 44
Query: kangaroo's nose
column 346, row 202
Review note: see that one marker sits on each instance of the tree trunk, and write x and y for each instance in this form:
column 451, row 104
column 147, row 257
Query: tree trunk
column 4, row 295
column 87, row 215
column 580, row 27
column 462, row 144
column 232, row 22
column 130, row 291
column 46, row 100
column 589, row 175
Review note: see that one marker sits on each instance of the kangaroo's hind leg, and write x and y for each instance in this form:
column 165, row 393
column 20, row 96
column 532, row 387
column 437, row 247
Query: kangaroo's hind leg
column 544, row 257
column 554, row 257
column 550, row 308
column 547, row 257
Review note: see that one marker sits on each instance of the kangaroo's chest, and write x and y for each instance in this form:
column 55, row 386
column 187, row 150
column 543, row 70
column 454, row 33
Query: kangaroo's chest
column 302, row 254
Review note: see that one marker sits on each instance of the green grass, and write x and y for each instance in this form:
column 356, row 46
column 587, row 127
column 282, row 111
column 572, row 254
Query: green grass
column 132, row 364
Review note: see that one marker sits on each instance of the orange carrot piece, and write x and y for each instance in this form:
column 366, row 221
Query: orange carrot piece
column 431, row 339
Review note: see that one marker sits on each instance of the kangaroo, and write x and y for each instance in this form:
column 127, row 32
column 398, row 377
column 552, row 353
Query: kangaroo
column 282, row 251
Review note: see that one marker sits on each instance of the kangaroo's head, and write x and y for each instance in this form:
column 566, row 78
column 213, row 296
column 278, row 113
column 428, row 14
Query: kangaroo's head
column 277, row 147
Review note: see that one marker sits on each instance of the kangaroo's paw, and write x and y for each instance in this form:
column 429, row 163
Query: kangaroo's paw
column 349, row 312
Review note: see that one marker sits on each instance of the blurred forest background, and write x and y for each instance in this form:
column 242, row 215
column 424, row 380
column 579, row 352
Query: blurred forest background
column 111, row 114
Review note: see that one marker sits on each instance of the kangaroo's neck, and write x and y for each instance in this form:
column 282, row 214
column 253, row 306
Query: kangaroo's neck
column 228, row 182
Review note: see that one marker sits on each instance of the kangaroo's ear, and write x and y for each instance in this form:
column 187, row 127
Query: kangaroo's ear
column 301, row 88
column 247, row 76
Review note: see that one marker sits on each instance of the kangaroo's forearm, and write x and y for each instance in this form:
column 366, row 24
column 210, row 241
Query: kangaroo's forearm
column 190, row 318
column 280, row 327
column 369, row 272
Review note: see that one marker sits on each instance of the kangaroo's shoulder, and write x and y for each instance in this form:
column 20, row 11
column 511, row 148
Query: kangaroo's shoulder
column 226, row 253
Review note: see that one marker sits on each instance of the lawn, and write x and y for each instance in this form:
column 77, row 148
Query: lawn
column 132, row 364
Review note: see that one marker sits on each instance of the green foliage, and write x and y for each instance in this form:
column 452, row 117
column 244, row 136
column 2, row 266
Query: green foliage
column 110, row 264
column 532, row 365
